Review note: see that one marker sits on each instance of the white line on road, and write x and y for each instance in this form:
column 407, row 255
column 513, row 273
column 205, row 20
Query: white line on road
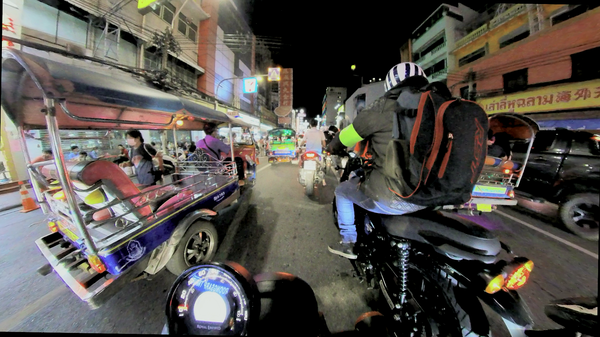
column 572, row 245
column 262, row 168
column 30, row 309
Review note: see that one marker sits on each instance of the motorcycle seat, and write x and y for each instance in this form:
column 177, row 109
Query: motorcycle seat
column 449, row 234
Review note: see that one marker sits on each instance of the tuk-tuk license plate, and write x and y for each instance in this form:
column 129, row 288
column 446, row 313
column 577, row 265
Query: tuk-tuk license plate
column 484, row 207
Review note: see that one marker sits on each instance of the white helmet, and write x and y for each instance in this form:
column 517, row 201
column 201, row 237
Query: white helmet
column 400, row 72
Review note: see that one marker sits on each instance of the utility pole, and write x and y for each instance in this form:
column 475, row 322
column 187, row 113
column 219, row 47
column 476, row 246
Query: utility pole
column 471, row 78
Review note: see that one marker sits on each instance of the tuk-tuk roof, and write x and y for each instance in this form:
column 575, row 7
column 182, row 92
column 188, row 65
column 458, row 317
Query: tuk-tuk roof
column 516, row 125
column 279, row 130
column 93, row 99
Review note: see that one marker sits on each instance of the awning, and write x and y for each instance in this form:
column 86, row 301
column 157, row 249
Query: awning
column 87, row 99
column 188, row 62
column 571, row 124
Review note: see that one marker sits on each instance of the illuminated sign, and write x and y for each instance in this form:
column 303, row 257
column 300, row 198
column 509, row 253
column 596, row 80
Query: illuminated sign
column 250, row 85
column 8, row 26
column 145, row 6
column 561, row 97
column 274, row 74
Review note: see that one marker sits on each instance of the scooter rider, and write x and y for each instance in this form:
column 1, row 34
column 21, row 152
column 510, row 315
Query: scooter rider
column 373, row 129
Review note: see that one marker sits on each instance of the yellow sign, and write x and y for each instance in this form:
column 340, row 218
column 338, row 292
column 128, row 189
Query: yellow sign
column 145, row 3
column 274, row 74
column 560, row 97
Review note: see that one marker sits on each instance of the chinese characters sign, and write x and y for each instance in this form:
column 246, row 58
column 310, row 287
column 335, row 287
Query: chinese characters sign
column 286, row 89
column 560, row 97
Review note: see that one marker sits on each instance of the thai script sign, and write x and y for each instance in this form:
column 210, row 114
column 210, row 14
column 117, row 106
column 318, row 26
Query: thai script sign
column 561, row 97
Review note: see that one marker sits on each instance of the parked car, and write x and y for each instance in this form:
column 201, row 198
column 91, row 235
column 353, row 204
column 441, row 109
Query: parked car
column 564, row 168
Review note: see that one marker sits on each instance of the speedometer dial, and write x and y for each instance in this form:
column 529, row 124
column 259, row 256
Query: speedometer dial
column 211, row 300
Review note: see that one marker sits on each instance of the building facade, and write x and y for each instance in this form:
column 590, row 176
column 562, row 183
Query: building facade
column 539, row 60
column 360, row 99
column 431, row 42
column 334, row 98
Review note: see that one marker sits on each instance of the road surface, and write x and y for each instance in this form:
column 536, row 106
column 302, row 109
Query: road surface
column 283, row 230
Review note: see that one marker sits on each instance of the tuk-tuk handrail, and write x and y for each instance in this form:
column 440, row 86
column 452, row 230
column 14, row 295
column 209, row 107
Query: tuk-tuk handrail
column 105, row 120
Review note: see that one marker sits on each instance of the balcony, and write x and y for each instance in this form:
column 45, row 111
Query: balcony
column 425, row 58
column 508, row 15
column 472, row 36
column 438, row 75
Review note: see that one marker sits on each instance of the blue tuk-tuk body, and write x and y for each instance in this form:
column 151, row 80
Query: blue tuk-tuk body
column 105, row 231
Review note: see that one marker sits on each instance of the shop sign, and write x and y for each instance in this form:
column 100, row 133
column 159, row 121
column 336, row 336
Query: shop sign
column 561, row 97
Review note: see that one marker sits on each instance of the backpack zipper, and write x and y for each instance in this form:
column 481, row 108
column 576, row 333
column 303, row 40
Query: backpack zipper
column 446, row 156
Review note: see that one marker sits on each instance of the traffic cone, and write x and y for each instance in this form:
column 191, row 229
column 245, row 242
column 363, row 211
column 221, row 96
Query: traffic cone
column 27, row 202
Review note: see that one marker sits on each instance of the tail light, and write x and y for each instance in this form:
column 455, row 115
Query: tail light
column 310, row 155
column 519, row 274
column 506, row 171
column 53, row 226
column 96, row 264
column 511, row 194
column 495, row 284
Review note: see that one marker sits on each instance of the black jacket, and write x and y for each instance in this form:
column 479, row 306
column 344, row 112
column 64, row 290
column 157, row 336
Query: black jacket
column 374, row 125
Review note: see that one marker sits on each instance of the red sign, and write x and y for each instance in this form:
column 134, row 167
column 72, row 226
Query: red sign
column 286, row 87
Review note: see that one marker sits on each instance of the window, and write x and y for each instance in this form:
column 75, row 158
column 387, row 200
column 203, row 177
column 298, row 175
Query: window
column 479, row 53
column 441, row 65
column 187, row 28
column 515, row 81
column 585, row 65
column 166, row 12
column 571, row 12
column 512, row 40
column 543, row 142
column 431, row 47
column 464, row 92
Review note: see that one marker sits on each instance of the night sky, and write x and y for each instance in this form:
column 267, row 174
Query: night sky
column 322, row 39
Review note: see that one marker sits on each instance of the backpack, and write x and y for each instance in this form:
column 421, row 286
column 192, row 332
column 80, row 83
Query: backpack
column 438, row 150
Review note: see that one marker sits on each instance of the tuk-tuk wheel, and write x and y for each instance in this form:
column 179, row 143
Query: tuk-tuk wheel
column 198, row 245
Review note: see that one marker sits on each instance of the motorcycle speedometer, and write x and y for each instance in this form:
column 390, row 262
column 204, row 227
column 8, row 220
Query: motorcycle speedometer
column 212, row 299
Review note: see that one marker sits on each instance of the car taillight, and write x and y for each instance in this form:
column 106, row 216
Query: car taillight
column 53, row 226
column 518, row 275
column 96, row 263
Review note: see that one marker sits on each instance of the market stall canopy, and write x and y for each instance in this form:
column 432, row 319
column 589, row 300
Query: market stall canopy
column 90, row 99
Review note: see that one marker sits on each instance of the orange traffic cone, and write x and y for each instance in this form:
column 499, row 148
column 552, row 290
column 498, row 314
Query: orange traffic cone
column 27, row 202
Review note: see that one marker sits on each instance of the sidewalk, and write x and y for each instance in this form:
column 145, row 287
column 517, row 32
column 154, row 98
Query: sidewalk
column 12, row 200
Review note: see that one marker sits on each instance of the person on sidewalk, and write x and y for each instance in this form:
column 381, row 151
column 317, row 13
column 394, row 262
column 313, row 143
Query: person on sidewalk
column 46, row 155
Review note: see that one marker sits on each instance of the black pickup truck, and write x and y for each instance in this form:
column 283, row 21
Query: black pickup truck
column 564, row 168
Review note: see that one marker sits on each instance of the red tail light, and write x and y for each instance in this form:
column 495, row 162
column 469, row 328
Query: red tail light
column 519, row 275
column 506, row 171
column 310, row 155
column 511, row 194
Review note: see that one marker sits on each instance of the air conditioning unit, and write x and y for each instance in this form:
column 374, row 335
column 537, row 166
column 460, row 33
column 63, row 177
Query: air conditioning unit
column 79, row 50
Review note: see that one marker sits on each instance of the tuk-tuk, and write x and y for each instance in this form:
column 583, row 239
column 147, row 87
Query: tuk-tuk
column 245, row 150
column 500, row 176
column 105, row 231
column 282, row 145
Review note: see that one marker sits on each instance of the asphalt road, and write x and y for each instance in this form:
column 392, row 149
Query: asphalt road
column 282, row 230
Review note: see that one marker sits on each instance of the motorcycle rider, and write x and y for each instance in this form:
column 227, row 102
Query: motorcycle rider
column 372, row 129
column 314, row 140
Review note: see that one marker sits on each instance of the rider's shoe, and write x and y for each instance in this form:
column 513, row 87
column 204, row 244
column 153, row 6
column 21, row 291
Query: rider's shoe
column 343, row 249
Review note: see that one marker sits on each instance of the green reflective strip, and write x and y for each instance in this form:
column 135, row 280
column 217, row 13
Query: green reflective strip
column 349, row 137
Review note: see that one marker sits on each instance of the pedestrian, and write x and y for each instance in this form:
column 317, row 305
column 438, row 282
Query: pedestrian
column 74, row 154
column 46, row 155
